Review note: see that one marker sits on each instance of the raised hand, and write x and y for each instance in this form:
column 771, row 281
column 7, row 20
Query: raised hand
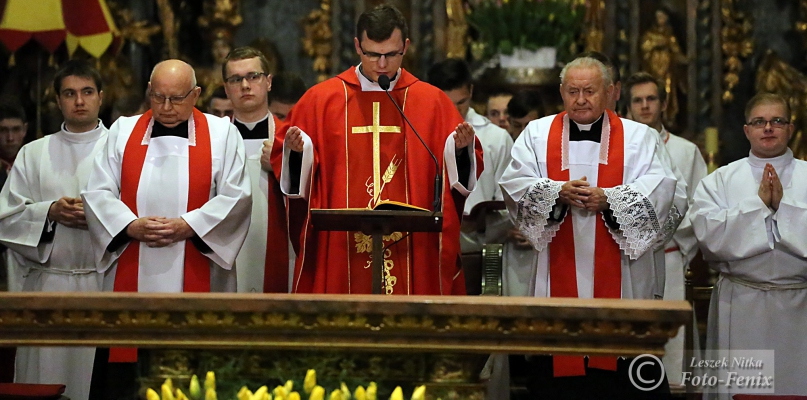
column 68, row 211
column 463, row 135
column 294, row 139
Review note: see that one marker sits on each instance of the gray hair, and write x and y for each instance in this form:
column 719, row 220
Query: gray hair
column 588, row 62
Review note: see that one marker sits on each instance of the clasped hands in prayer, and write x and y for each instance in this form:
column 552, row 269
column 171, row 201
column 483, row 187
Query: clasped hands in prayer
column 159, row 231
column 68, row 211
column 770, row 188
column 579, row 193
column 463, row 137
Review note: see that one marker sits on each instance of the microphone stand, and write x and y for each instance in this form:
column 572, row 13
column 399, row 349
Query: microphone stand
column 384, row 82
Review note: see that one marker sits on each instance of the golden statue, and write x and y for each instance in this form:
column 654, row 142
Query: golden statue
column 220, row 19
column 660, row 55
column 594, row 30
column 457, row 29
column 774, row 75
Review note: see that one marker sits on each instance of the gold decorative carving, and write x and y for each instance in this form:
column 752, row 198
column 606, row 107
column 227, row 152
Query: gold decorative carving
column 143, row 318
column 220, row 18
column 531, row 325
column 774, row 75
column 736, row 43
column 317, row 39
column 170, row 27
column 661, row 55
column 594, row 30
column 457, row 29
column 409, row 322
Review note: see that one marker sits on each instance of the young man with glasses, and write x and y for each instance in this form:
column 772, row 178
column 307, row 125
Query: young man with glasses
column 749, row 218
column 168, row 202
column 349, row 147
column 647, row 101
column 263, row 262
column 42, row 221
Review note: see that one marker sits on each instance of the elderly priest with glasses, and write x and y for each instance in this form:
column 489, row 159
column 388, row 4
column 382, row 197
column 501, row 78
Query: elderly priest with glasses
column 350, row 147
column 168, row 203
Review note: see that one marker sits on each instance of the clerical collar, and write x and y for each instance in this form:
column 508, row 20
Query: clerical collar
column 369, row 86
column 253, row 130
column 251, row 125
column 82, row 137
column 180, row 130
column 590, row 132
column 779, row 162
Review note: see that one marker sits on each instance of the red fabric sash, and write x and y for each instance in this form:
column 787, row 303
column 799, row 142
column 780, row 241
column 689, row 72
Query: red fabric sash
column 197, row 268
column 607, row 262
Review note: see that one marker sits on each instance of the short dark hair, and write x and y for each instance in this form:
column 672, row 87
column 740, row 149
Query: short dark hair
column 766, row 98
column 605, row 60
column 12, row 111
column 287, row 87
column 80, row 68
column 380, row 23
column 643, row 77
column 523, row 102
column 450, row 74
column 219, row 93
column 244, row 53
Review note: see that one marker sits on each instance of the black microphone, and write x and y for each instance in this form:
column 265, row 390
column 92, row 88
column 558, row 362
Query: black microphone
column 383, row 82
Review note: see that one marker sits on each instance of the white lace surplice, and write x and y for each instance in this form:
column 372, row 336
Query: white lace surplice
column 641, row 205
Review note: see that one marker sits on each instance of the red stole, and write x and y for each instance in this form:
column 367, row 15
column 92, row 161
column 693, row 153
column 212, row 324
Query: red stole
column 607, row 261
column 276, row 266
column 197, row 267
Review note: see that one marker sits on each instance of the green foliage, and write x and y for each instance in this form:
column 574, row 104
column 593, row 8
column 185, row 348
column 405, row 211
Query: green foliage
column 506, row 24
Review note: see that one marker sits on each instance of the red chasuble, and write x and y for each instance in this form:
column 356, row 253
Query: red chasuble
column 365, row 153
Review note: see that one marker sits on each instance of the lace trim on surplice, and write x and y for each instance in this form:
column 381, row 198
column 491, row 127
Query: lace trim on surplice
column 639, row 226
column 533, row 212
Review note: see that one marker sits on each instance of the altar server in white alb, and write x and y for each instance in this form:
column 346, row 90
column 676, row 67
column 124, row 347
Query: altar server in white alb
column 168, row 201
column 583, row 182
column 42, row 221
column 647, row 102
column 749, row 218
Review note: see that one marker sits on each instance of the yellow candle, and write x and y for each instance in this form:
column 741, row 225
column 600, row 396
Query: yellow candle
column 711, row 140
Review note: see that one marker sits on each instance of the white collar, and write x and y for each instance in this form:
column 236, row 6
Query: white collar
column 369, row 86
column 778, row 163
column 82, row 137
column 251, row 125
column 586, row 127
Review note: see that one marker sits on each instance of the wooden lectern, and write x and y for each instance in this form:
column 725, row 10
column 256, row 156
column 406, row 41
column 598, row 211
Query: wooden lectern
column 376, row 224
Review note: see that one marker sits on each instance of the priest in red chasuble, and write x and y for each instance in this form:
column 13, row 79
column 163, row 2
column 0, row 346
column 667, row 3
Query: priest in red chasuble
column 349, row 147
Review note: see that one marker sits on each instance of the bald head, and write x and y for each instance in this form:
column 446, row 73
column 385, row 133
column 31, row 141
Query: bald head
column 173, row 69
column 173, row 92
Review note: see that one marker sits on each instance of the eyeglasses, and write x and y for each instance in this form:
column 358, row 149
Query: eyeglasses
column 760, row 123
column 252, row 77
column 175, row 100
column 373, row 56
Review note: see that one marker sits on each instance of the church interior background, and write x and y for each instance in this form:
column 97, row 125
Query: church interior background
column 713, row 56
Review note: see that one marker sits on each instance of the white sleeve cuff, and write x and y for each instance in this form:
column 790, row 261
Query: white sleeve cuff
column 450, row 159
column 305, row 170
